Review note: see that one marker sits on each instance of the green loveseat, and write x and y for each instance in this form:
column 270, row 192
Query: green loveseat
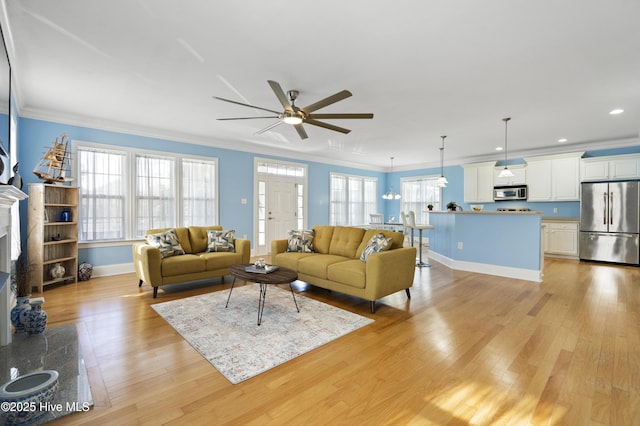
column 335, row 262
column 195, row 264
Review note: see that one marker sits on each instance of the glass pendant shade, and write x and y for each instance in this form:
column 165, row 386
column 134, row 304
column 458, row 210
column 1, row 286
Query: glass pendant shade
column 506, row 173
column 442, row 181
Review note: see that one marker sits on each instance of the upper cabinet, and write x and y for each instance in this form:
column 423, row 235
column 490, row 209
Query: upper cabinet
column 554, row 177
column 519, row 175
column 478, row 182
column 611, row 168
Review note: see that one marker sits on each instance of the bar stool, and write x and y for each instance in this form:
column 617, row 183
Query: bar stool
column 405, row 227
column 420, row 228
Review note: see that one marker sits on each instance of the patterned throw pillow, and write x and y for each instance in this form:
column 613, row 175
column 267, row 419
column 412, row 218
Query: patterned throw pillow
column 301, row 241
column 376, row 244
column 167, row 242
column 221, row 241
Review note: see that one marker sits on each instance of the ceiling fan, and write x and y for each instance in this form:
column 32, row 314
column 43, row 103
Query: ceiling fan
column 295, row 115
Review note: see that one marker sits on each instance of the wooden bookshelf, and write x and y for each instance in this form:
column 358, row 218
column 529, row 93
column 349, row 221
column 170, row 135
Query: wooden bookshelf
column 50, row 239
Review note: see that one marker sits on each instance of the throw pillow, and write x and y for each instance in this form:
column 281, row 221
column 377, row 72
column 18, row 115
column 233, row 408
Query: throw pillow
column 221, row 241
column 376, row 244
column 301, row 241
column 167, row 242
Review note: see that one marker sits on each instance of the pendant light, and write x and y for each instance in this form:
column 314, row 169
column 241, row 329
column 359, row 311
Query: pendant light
column 390, row 195
column 442, row 181
column 505, row 172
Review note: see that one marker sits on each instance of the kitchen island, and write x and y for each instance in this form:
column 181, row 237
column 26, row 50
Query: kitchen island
column 507, row 244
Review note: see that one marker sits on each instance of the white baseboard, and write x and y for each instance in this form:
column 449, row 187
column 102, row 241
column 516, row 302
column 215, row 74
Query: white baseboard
column 485, row 268
column 117, row 269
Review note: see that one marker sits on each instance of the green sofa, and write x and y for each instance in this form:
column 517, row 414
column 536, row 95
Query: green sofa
column 195, row 264
column 335, row 262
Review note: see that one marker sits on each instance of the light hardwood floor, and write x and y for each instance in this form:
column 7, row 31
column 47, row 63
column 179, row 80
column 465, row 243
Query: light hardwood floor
column 466, row 349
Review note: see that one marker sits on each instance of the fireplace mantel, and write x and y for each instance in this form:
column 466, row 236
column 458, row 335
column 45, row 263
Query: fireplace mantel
column 9, row 195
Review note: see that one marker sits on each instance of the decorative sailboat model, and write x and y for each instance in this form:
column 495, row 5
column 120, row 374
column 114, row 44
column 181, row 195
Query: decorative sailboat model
column 54, row 166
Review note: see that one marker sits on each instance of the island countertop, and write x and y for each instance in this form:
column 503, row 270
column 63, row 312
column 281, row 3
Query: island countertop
column 486, row 212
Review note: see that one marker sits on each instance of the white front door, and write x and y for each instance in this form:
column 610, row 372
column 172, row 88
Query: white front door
column 281, row 208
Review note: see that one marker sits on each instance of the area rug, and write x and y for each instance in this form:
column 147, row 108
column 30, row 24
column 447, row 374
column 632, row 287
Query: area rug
column 230, row 339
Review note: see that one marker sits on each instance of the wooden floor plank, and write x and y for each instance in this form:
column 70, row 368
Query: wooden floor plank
column 465, row 349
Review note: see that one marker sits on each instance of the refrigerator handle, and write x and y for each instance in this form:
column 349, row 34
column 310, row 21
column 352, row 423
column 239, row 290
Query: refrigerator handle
column 611, row 208
column 604, row 213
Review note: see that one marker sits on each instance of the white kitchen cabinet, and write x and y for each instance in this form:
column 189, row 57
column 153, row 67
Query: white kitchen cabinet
column 519, row 175
column 610, row 168
column 554, row 177
column 560, row 238
column 478, row 182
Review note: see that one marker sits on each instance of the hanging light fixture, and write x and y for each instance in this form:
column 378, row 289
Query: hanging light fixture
column 442, row 181
column 505, row 172
column 390, row 195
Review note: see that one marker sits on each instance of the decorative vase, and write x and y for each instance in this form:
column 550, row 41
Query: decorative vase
column 37, row 320
column 23, row 396
column 20, row 314
column 57, row 271
column 65, row 216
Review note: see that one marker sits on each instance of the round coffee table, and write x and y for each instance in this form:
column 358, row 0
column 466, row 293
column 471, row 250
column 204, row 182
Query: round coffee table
column 280, row 276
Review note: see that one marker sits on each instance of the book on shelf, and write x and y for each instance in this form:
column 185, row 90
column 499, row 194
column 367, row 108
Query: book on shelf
column 266, row 270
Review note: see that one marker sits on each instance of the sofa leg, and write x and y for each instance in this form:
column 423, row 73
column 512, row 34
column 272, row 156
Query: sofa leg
column 140, row 283
column 155, row 292
column 408, row 293
column 373, row 306
column 222, row 280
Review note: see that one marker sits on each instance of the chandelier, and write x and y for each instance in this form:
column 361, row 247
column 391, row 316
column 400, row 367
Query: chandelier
column 390, row 195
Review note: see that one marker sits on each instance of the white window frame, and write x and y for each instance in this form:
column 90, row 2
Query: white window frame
column 130, row 184
column 419, row 205
column 365, row 205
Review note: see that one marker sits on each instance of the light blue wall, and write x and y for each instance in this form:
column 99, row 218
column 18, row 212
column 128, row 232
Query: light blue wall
column 236, row 180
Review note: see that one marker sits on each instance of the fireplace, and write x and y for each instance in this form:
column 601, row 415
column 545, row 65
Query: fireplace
column 9, row 196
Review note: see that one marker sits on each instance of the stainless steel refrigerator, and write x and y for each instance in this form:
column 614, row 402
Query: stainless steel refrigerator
column 609, row 222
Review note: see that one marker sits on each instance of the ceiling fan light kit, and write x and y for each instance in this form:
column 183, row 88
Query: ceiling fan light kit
column 297, row 116
column 505, row 172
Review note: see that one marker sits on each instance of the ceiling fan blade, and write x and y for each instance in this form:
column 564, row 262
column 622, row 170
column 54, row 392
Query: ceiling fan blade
column 245, row 118
column 269, row 127
column 327, row 126
column 300, row 130
column 327, row 101
column 247, row 105
column 348, row 115
column 277, row 89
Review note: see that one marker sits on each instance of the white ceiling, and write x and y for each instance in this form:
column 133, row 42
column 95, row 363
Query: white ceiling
column 424, row 68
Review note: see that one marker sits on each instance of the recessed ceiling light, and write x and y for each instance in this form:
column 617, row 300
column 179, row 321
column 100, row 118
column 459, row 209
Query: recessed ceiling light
column 563, row 140
column 499, row 148
column 616, row 111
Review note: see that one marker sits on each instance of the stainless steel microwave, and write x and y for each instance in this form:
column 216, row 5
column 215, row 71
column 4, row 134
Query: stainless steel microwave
column 504, row 193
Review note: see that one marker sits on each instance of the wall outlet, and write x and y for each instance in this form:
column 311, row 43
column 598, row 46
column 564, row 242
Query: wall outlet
column 243, row 201
column 460, row 245
column 555, row 210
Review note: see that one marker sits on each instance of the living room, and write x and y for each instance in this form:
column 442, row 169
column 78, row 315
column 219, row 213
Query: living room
column 160, row 113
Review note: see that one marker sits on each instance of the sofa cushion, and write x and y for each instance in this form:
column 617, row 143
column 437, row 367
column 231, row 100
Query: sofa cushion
column 345, row 241
column 397, row 239
column 376, row 244
column 220, row 241
column 220, row 260
column 322, row 238
column 167, row 242
column 301, row 241
column 198, row 237
column 316, row 264
column 350, row 272
column 290, row 259
column 181, row 265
